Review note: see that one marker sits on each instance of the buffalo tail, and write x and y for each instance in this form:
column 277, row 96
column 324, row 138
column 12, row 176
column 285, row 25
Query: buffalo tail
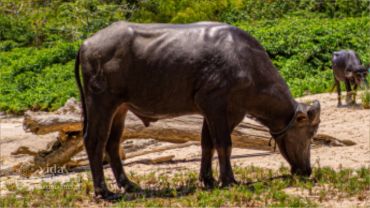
column 82, row 96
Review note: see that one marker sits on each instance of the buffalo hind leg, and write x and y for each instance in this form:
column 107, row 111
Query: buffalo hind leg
column 95, row 139
column 112, row 149
column 208, row 150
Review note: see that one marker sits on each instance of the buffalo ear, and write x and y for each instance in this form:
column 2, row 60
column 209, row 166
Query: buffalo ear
column 314, row 112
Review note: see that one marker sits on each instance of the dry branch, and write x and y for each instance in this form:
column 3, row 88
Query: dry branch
column 157, row 160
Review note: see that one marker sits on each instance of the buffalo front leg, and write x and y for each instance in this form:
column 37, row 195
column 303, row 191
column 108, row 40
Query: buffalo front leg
column 354, row 93
column 214, row 110
column 226, row 172
column 112, row 148
column 223, row 126
column 337, row 84
column 219, row 130
column 207, row 154
column 349, row 93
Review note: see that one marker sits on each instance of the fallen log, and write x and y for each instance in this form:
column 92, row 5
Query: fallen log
column 175, row 130
column 67, row 121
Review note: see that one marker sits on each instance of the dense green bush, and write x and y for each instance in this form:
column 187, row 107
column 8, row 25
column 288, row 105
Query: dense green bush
column 184, row 11
column 302, row 48
column 179, row 11
column 39, row 39
column 39, row 22
column 15, row 31
column 37, row 78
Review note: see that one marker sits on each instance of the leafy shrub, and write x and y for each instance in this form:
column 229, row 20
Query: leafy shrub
column 184, row 11
column 34, row 23
column 8, row 45
column 302, row 48
column 37, row 78
column 178, row 11
column 39, row 39
column 16, row 30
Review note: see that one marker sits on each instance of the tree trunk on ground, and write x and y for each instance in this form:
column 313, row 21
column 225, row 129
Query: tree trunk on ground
column 67, row 121
column 175, row 130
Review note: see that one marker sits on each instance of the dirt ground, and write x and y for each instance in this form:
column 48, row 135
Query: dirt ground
column 348, row 123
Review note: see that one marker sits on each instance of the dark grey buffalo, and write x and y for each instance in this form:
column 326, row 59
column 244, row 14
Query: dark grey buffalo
column 160, row 71
column 347, row 68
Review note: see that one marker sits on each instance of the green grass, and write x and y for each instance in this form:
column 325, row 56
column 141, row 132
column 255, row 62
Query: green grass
column 259, row 187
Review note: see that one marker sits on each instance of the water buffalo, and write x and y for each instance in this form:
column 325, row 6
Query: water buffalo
column 160, row 71
column 347, row 68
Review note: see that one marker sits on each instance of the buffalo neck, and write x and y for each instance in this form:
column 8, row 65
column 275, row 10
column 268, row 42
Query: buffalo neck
column 275, row 107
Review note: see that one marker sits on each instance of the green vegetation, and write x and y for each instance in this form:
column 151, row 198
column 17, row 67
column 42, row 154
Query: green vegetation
column 260, row 187
column 39, row 39
column 39, row 79
column 302, row 48
column 365, row 99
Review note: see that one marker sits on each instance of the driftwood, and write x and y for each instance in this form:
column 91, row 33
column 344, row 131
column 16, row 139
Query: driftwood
column 67, row 121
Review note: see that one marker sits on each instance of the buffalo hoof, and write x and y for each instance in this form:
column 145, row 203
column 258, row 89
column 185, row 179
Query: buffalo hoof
column 228, row 182
column 339, row 105
column 350, row 103
column 209, row 183
column 108, row 196
column 305, row 172
column 131, row 187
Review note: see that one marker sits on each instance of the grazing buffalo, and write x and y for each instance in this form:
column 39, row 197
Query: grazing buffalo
column 160, row 71
column 347, row 68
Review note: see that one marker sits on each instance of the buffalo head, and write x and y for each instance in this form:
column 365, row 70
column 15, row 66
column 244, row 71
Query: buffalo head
column 357, row 75
column 295, row 142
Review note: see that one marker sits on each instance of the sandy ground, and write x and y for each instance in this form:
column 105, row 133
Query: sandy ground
column 349, row 123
